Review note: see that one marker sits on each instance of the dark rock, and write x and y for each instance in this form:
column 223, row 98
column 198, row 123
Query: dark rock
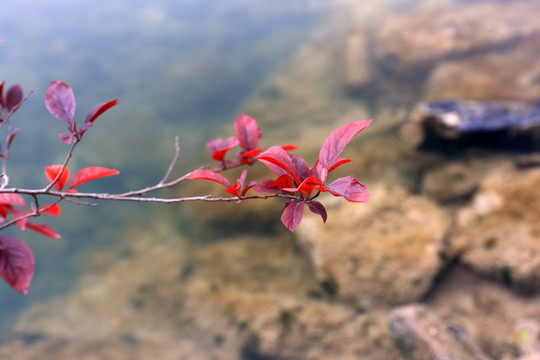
column 495, row 122
column 453, row 182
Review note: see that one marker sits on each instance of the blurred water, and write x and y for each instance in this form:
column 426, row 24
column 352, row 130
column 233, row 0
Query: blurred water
column 178, row 67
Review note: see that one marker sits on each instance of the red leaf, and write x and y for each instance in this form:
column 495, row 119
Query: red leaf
column 250, row 185
column 317, row 208
column 239, row 189
column 349, row 188
column 3, row 211
column 292, row 214
column 218, row 148
column 19, row 214
column 11, row 136
column 280, row 162
column 60, row 101
column 289, row 147
column 267, row 186
column 338, row 162
column 203, row 174
column 282, row 182
column 306, row 187
column 334, row 145
column 247, row 132
column 44, row 229
column 53, row 210
column 51, row 172
column 16, row 263
column 11, row 199
column 247, row 157
column 234, row 190
column 99, row 109
column 91, row 173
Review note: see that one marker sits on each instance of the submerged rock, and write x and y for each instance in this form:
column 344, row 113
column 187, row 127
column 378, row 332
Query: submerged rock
column 383, row 253
column 421, row 335
column 424, row 37
column 498, row 233
column 451, row 182
column 463, row 120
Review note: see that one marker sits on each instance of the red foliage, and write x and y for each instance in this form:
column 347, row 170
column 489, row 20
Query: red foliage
column 298, row 183
column 296, row 180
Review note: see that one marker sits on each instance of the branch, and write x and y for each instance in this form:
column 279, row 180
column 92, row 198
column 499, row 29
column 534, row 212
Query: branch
column 120, row 197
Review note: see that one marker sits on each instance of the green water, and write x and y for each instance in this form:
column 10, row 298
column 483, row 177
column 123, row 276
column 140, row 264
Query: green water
column 178, row 67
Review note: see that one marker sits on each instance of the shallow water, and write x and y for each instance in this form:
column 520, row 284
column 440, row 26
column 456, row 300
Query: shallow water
column 178, row 67
column 195, row 272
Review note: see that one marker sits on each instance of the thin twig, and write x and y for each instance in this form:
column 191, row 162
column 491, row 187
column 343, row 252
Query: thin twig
column 173, row 162
column 64, row 165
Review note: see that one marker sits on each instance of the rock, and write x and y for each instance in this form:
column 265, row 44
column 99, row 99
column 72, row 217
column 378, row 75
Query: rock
column 488, row 311
column 528, row 160
column 308, row 329
column 383, row 253
column 357, row 66
column 510, row 74
column 497, row 233
column 421, row 335
column 154, row 297
column 528, row 335
column 477, row 51
column 455, row 181
column 471, row 121
column 424, row 37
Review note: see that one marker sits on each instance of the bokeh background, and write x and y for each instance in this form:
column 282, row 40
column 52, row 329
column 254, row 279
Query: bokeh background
column 443, row 260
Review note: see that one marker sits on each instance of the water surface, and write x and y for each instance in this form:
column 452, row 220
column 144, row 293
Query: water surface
column 178, row 67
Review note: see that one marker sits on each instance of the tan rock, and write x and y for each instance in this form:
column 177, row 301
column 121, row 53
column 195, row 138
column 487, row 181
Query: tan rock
column 382, row 253
column 427, row 36
column 498, row 233
column 422, row 335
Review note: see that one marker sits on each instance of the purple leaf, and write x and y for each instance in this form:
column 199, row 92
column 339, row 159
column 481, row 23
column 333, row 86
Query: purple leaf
column 349, row 188
column 67, row 138
column 2, row 93
column 247, row 132
column 60, row 101
column 16, row 263
column 334, row 145
column 302, row 167
column 292, row 214
column 306, row 187
column 267, row 186
column 203, row 174
column 280, row 162
column 317, row 208
column 13, row 97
